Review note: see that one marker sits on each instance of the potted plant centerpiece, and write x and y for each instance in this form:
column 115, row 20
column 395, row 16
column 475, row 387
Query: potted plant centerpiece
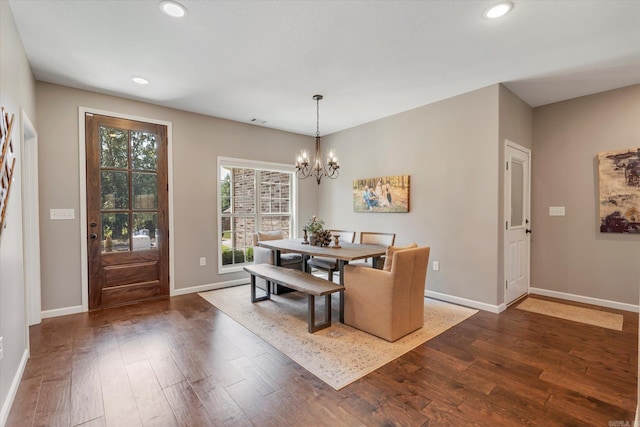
column 314, row 228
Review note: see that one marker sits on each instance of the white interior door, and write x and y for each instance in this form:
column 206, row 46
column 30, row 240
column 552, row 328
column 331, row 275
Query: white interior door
column 517, row 218
column 31, row 222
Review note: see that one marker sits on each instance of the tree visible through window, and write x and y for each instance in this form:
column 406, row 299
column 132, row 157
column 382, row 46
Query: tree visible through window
column 252, row 199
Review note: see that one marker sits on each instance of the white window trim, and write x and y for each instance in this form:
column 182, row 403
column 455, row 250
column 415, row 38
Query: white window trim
column 253, row 164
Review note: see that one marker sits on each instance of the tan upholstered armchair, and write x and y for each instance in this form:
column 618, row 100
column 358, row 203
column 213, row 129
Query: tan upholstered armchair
column 388, row 304
column 267, row 256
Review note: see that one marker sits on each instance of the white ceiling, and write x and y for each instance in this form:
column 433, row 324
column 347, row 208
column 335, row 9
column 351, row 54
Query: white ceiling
column 370, row 59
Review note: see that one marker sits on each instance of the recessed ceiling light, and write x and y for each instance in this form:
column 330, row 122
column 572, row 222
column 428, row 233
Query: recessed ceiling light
column 498, row 10
column 140, row 80
column 173, row 8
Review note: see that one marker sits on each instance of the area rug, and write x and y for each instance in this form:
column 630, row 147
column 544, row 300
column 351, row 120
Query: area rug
column 571, row 312
column 338, row 355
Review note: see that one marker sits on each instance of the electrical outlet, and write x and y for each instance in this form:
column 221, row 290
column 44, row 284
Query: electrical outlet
column 203, row 261
column 436, row 266
column 1, row 349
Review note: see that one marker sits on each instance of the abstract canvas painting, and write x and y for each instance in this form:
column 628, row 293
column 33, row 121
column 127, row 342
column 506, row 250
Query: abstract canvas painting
column 381, row 194
column 619, row 181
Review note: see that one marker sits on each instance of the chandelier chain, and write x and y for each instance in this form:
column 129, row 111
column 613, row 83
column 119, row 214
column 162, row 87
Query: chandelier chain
column 317, row 117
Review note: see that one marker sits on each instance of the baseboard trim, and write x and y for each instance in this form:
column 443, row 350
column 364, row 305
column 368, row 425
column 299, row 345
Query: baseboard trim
column 466, row 302
column 56, row 312
column 585, row 300
column 210, row 287
column 13, row 390
column 182, row 291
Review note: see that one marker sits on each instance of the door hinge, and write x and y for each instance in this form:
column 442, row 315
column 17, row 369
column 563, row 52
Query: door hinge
column 507, row 165
column 506, row 225
column 506, row 284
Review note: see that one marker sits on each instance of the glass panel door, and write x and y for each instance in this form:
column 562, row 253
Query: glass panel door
column 129, row 190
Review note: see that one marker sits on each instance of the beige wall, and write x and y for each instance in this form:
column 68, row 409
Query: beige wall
column 569, row 254
column 197, row 142
column 450, row 150
column 16, row 92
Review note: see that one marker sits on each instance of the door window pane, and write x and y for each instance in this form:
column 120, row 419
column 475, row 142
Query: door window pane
column 517, row 194
column 114, row 189
column 115, row 232
column 113, row 148
column 145, row 190
column 145, row 230
column 143, row 151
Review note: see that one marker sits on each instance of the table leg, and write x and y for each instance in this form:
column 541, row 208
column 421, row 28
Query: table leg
column 341, row 264
column 311, row 313
column 374, row 261
column 277, row 253
column 305, row 266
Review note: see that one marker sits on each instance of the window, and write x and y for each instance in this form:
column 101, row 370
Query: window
column 252, row 196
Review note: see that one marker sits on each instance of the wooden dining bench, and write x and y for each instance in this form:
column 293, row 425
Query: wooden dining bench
column 299, row 281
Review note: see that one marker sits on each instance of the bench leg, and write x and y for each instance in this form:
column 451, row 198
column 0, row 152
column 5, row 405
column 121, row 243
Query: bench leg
column 311, row 306
column 253, row 290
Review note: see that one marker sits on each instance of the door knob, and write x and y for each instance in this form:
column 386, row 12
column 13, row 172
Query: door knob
column 94, row 236
column 93, row 224
column 528, row 231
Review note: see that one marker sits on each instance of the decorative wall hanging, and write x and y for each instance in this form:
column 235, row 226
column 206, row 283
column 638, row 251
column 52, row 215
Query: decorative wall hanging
column 619, row 176
column 381, row 194
column 7, row 163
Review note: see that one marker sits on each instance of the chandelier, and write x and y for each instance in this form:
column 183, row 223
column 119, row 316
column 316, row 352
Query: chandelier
column 317, row 168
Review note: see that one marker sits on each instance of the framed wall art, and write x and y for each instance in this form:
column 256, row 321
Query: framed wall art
column 619, row 184
column 7, row 163
column 381, row 194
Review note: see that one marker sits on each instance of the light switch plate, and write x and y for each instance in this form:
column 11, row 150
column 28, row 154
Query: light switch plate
column 556, row 210
column 62, row 214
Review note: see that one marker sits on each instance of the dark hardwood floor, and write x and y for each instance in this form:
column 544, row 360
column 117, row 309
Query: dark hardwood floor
column 182, row 362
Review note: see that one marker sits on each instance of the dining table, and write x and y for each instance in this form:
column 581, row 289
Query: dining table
column 345, row 253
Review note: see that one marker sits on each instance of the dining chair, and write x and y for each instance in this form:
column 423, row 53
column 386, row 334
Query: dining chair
column 330, row 264
column 375, row 238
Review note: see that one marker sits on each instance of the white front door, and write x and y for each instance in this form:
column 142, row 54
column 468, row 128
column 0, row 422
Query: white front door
column 517, row 221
